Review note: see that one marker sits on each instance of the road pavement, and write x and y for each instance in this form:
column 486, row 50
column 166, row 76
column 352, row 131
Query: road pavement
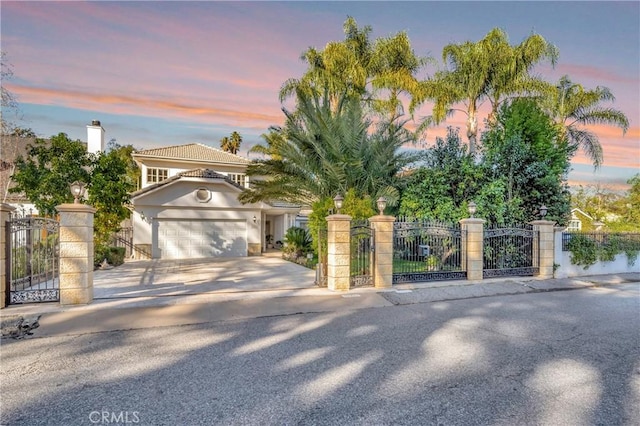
column 540, row 357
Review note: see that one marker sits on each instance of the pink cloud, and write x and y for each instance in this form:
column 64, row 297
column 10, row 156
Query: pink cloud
column 150, row 106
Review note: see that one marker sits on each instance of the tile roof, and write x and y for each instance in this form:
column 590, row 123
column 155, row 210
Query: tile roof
column 193, row 151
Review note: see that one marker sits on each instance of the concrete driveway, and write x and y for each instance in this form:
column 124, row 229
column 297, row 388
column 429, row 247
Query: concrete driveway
column 145, row 278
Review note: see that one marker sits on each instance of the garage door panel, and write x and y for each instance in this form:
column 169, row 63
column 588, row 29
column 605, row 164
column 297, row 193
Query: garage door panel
column 179, row 239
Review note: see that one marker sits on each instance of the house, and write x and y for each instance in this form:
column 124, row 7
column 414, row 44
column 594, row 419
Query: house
column 187, row 205
column 582, row 222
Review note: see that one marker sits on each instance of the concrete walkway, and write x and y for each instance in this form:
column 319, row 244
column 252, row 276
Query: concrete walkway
column 164, row 278
column 147, row 294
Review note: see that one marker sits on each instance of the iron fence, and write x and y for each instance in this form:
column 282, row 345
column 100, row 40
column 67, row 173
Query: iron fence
column 362, row 246
column 510, row 251
column 32, row 260
column 601, row 239
column 427, row 251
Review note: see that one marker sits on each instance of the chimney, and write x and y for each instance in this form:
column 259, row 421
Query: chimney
column 95, row 137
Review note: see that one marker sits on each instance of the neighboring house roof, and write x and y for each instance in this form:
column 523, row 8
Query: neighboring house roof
column 577, row 210
column 195, row 173
column 193, row 152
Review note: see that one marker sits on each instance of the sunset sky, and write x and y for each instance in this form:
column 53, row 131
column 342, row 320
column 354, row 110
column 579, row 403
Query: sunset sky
column 169, row 73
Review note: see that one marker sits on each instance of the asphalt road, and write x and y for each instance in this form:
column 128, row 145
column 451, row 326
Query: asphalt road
column 558, row 358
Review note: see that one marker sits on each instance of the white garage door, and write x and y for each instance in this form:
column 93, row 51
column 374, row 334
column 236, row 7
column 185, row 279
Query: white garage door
column 188, row 239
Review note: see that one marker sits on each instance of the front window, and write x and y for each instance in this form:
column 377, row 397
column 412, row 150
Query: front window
column 575, row 225
column 240, row 179
column 157, row 175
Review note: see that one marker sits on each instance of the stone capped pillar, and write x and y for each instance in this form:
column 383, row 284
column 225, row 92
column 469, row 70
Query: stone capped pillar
column 339, row 252
column 545, row 246
column 473, row 249
column 383, row 250
column 76, row 253
column 5, row 216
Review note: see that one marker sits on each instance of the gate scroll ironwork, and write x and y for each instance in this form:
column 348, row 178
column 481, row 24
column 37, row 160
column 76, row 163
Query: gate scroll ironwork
column 510, row 251
column 427, row 251
column 362, row 246
column 32, row 260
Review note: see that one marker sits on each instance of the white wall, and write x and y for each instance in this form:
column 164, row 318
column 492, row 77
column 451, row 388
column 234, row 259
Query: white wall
column 178, row 201
column 566, row 269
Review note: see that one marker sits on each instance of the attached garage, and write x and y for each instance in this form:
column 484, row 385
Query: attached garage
column 189, row 239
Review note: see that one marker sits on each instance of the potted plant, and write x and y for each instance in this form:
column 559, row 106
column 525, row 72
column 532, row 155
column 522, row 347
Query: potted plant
column 269, row 239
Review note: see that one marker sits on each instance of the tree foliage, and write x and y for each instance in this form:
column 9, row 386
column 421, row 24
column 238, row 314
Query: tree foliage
column 9, row 103
column 231, row 143
column 378, row 72
column 322, row 151
column 441, row 188
column 45, row 174
column 113, row 178
column 523, row 164
column 51, row 166
column 572, row 107
column 524, row 149
column 488, row 70
column 620, row 212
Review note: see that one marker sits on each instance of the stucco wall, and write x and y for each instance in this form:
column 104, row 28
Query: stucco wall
column 178, row 201
column 566, row 269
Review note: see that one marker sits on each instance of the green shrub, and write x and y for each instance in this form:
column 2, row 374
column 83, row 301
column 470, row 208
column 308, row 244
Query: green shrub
column 584, row 251
column 113, row 255
column 297, row 240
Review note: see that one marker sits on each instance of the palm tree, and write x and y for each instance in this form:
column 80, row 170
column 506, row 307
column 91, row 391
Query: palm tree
column 225, row 144
column 571, row 106
column 490, row 69
column 323, row 150
column 236, row 140
column 376, row 72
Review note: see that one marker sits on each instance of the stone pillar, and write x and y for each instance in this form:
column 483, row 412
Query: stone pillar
column 545, row 246
column 383, row 250
column 473, row 249
column 76, row 253
column 5, row 216
column 339, row 252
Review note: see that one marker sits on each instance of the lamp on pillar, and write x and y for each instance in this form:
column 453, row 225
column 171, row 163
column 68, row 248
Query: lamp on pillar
column 543, row 211
column 382, row 204
column 337, row 201
column 77, row 190
column 472, row 208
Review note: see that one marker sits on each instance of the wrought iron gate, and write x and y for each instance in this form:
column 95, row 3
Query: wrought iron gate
column 362, row 246
column 510, row 251
column 427, row 251
column 32, row 260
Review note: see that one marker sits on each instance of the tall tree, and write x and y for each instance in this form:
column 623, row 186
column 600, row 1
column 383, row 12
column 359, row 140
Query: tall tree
column 236, row 141
column 112, row 180
column 225, row 144
column 377, row 72
column 490, row 69
column 322, row 151
column 573, row 107
column 50, row 166
column 447, row 180
column 45, row 173
column 523, row 148
column 8, row 99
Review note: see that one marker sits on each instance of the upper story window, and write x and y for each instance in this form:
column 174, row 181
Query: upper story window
column 240, row 179
column 574, row 225
column 157, row 175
